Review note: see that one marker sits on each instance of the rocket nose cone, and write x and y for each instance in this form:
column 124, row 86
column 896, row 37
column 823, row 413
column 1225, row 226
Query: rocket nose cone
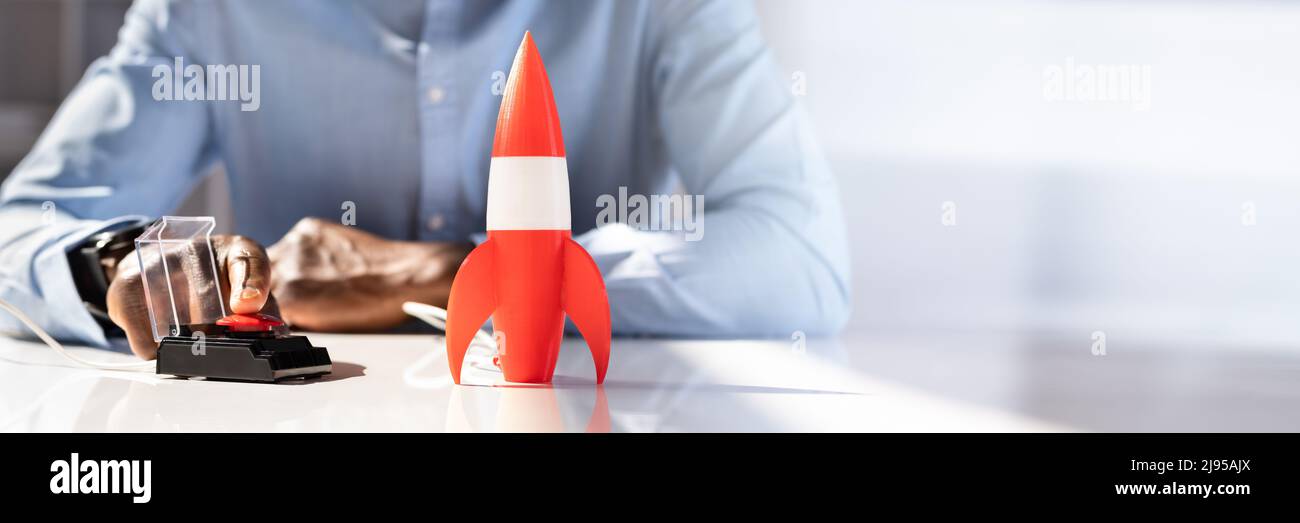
column 528, row 124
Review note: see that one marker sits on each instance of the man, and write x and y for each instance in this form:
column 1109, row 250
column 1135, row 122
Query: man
column 386, row 109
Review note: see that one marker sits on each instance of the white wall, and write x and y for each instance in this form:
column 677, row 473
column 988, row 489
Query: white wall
column 1071, row 215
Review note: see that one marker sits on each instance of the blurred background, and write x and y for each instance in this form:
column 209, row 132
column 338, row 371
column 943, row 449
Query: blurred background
column 974, row 199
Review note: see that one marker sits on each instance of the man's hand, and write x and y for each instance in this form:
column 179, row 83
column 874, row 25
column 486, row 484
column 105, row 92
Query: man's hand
column 332, row 277
column 242, row 264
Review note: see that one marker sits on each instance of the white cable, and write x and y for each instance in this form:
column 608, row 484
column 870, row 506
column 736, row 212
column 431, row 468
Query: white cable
column 58, row 347
column 437, row 316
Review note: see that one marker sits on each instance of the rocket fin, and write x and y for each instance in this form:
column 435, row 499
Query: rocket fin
column 587, row 304
column 473, row 299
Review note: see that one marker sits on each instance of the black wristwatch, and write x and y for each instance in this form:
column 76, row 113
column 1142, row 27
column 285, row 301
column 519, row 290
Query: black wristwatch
column 93, row 263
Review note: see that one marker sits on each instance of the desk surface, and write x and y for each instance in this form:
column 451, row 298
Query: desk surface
column 857, row 382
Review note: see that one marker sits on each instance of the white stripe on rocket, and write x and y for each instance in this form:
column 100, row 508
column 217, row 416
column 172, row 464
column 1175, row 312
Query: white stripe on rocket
column 528, row 193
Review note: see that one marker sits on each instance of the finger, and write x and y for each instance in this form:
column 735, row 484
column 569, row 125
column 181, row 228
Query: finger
column 141, row 341
column 249, row 271
column 127, row 309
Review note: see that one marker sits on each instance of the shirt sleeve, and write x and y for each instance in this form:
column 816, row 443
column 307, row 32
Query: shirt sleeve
column 111, row 153
column 770, row 255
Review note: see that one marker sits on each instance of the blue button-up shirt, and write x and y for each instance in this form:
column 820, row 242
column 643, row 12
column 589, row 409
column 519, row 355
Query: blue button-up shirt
column 387, row 108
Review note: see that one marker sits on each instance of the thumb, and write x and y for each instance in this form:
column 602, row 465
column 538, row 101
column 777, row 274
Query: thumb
column 249, row 271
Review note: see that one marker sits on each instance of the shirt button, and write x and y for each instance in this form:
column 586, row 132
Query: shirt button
column 436, row 222
column 436, row 95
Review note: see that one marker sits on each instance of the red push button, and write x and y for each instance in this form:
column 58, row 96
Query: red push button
column 250, row 322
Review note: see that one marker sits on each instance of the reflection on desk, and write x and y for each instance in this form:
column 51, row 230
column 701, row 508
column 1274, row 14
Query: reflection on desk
column 865, row 383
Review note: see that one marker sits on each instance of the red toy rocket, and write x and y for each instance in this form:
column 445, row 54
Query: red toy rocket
column 529, row 273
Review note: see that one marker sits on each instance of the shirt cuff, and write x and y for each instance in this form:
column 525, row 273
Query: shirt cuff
column 65, row 316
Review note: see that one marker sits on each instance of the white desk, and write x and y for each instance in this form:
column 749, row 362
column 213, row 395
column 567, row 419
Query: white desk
column 858, row 382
